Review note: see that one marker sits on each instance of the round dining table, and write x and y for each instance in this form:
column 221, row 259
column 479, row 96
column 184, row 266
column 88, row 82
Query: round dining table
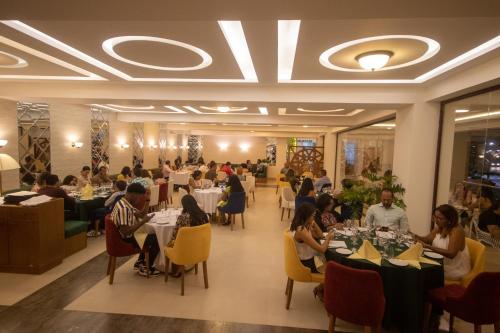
column 180, row 178
column 207, row 199
column 404, row 287
column 162, row 225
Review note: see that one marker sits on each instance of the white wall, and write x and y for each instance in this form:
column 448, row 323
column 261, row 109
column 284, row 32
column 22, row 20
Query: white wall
column 414, row 160
column 8, row 131
column 233, row 154
column 330, row 144
column 281, row 147
column 69, row 122
column 119, row 132
column 151, row 136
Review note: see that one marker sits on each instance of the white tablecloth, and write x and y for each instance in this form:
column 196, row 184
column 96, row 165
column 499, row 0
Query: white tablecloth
column 180, row 178
column 162, row 224
column 208, row 199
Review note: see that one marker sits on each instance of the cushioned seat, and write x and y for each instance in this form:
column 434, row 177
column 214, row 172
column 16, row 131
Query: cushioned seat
column 72, row 228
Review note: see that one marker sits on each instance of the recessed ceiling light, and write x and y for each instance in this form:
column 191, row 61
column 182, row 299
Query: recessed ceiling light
column 223, row 108
column 18, row 62
column 109, row 45
column 263, row 110
column 305, row 126
column 149, row 107
column 288, row 34
column 392, row 125
column 374, row 60
column 432, row 48
column 462, row 110
column 235, row 37
column 479, row 115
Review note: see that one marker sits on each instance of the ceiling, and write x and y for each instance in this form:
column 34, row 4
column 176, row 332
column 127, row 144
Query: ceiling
column 258, row 45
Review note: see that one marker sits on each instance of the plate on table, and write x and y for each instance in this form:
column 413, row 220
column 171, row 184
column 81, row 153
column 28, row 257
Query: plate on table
column 398, row 262
column 433, row 255
column 342, row 250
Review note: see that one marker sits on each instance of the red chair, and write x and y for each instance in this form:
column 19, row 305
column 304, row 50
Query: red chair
column 116, row 247
column 163, row 195
column 478, row 304
column 354, row 295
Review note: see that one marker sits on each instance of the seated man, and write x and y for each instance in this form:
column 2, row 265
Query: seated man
column 129, row 220
column 84, row 177
column 323, row 180
column 99, row 214
column 386, row 214
column 102, row 177
column 212, row 172
column 52, row 189
column 489, row 221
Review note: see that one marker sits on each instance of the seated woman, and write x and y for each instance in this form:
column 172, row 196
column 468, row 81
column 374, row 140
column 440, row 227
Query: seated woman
column 306, row 193
column 195, row 180
column 52, row 189
column 239, row 173
column 326, row 217
column 305, row 233
column 489, row 221
column 290, row 177
column 233, row 186
column 69, row 183
column 448, row 239
column 125, row 174
column 192, row 215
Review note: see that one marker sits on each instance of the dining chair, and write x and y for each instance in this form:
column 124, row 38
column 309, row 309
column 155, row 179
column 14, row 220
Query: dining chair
column 287, row 201
column 279, row 178
column 235, row 205
column 251, row 181
column 246, row 187
column 163, row 195
column 295, row 270
column 282, row 185
column 116, row 247
column 170, row 191
column 191, row 247
column 154, row 198
column 354, row 295
column 478, row 303
column 182, row 193
column 477, row 258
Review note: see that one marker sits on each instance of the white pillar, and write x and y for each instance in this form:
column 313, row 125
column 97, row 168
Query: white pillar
column 330, row 144
column 151, row 137
column 8, row 131
column 415, row 159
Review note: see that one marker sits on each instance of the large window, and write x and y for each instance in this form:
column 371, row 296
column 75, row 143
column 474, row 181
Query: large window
column 470, row 150
column 367, row 149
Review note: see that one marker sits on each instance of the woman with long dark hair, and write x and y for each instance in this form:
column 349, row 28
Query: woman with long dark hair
column 233, row 186
column 326, row 217
column 448, row 239
column 306, row 193
column 192, row 215
column 305, row 234
column 125, row 174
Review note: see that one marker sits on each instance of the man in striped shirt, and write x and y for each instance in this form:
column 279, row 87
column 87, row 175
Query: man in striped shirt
column 128, row 220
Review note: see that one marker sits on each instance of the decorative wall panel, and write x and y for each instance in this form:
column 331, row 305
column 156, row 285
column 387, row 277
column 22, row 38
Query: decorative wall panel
column 99, row 136
column 138, row 144
column 194, row 148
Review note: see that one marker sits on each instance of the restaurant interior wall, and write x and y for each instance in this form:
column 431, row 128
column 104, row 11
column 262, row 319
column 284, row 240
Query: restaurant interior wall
column 69, row 123
column 233, row 153
column 8, row 131
column 281, row 147
column 151, row 149
column 119, row 133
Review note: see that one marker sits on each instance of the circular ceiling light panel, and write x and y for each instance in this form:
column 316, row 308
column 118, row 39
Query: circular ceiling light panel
column 432, row 49
column 109, row 45
column 319, row 111
column 224, row 108
column 8, row 60
column 131, row 107
column 374, row 60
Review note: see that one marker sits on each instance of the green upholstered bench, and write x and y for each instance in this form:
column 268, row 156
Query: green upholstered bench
column 75, row 236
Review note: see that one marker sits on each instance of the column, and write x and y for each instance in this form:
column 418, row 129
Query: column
column 120, row 133
column 8, row 131
column 151, row 138
column 415, row 159
column 330, row 144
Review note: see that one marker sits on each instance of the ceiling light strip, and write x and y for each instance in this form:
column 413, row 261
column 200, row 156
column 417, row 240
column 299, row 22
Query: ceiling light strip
column 263, row 110
column 149, row 107
column 480, row 115
column 235, row 37
column 478, row 51
column 288, row 35
column 190, row 108
column 176, row 109
column 32, row 32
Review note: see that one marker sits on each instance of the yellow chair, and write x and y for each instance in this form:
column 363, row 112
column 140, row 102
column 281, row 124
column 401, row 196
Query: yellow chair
column 477, row 258
column 279, row 177
column 308, row 174
column 281, row 185
column 191, row 247
column 294, row 268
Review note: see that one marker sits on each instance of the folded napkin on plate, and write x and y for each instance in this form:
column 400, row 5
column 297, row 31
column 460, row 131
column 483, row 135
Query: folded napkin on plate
column 414, row 256
column 87, row 192
column 368, row 252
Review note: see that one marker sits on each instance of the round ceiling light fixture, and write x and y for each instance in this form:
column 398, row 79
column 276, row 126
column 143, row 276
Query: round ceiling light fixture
column 374, row 60
column 224, row 109
column 432, row 49
column 18, row 62
column 109, row 45
column 149, row 107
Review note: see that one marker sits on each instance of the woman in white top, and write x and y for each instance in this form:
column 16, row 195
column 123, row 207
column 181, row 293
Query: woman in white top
column 166, row 170
column 448, row 239
column 305, row 233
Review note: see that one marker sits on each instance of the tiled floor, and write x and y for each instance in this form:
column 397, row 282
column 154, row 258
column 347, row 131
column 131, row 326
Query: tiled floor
column 246, row 293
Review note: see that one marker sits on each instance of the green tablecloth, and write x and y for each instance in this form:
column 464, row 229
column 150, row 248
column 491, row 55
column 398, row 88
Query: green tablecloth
column 84, row 207
column 404, row 287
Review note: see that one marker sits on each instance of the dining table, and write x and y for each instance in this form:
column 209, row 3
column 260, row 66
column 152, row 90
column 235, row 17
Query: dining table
column 405, row 287
column 84, row 206
column 180, row 178
column 162, row 225
column 208, row 198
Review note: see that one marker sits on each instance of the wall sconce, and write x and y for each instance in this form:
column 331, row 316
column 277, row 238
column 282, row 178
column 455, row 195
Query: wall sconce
column 3, row 143
column 124, row 146
column 244, row 147
column 76, row 144
column 223, row 146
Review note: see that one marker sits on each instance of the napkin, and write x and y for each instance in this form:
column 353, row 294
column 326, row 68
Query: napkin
column 368, row 252
column 412, row 255
column 87, row 192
